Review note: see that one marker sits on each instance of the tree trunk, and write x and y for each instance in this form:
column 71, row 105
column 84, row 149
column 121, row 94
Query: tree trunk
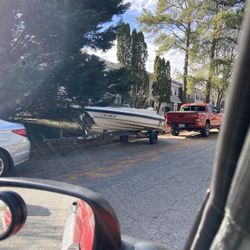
column 211, row 64
column 211, row 70
column 186, row 62
column 159, row 107
column 218, row 101
column 132, row 96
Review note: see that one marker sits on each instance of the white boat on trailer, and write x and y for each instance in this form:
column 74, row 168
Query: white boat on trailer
column 128, row 121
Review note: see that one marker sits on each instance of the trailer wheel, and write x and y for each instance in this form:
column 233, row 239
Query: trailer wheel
column 124, row 138
column 153, row 137
column 105, row 134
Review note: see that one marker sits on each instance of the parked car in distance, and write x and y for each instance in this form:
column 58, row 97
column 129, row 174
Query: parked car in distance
column 14, row 146
column 194, row 117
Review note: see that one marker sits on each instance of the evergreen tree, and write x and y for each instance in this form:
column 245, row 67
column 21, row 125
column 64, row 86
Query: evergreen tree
column 41, row 35
column 124, row 45
column 84, row 79
column 132, row 54
column 162, row 81
column 119, row 82
column 139, row 51
column 140, row 87
column 67, row 26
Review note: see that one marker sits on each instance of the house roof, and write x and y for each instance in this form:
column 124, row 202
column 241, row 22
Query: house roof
column 174, row 98
column 179, row 84
column 111, row 65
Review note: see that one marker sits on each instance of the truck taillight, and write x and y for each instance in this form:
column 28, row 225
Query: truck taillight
column 197, row 119
column 166, row 117
column 21, row 132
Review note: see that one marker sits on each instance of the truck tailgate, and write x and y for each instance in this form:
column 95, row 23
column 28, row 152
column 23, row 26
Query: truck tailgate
column 187, row 117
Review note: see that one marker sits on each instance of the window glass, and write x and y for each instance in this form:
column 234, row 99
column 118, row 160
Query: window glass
column 194, row 108
column 201, row 108
column 185, row 108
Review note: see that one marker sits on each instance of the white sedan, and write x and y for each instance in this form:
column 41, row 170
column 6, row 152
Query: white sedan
column 14, row 146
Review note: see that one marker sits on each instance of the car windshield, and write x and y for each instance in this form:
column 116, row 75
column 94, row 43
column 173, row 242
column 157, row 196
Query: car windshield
column 67, row 70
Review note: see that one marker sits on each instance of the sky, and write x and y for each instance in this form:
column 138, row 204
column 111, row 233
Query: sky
column 176, row 58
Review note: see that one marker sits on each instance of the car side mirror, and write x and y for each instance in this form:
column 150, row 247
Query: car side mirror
column 13, row 213
column 59, row 216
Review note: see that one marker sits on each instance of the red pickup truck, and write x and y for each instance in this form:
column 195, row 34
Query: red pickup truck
column 194, row 117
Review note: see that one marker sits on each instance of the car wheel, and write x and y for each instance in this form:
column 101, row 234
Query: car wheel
column 175, row 131
column 206, row 130
column 4, row 164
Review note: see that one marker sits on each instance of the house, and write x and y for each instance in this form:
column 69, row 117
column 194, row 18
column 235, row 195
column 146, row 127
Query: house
column 176, row 88
column 175, row 101
column 175, row 98
column 198, row 95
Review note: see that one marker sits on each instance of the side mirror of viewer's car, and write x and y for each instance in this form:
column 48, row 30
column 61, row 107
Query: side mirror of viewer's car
column 13, row 213
column 53, row 215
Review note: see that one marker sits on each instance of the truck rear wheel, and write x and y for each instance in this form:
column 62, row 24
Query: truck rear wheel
column 206, row 130
column 175, row 131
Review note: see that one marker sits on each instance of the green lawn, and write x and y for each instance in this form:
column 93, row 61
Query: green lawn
column 39, row 129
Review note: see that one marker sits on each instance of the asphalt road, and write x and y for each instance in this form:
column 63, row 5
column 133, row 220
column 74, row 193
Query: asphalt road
column 156, row 190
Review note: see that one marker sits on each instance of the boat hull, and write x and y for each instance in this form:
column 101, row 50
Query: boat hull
column 113, row 120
